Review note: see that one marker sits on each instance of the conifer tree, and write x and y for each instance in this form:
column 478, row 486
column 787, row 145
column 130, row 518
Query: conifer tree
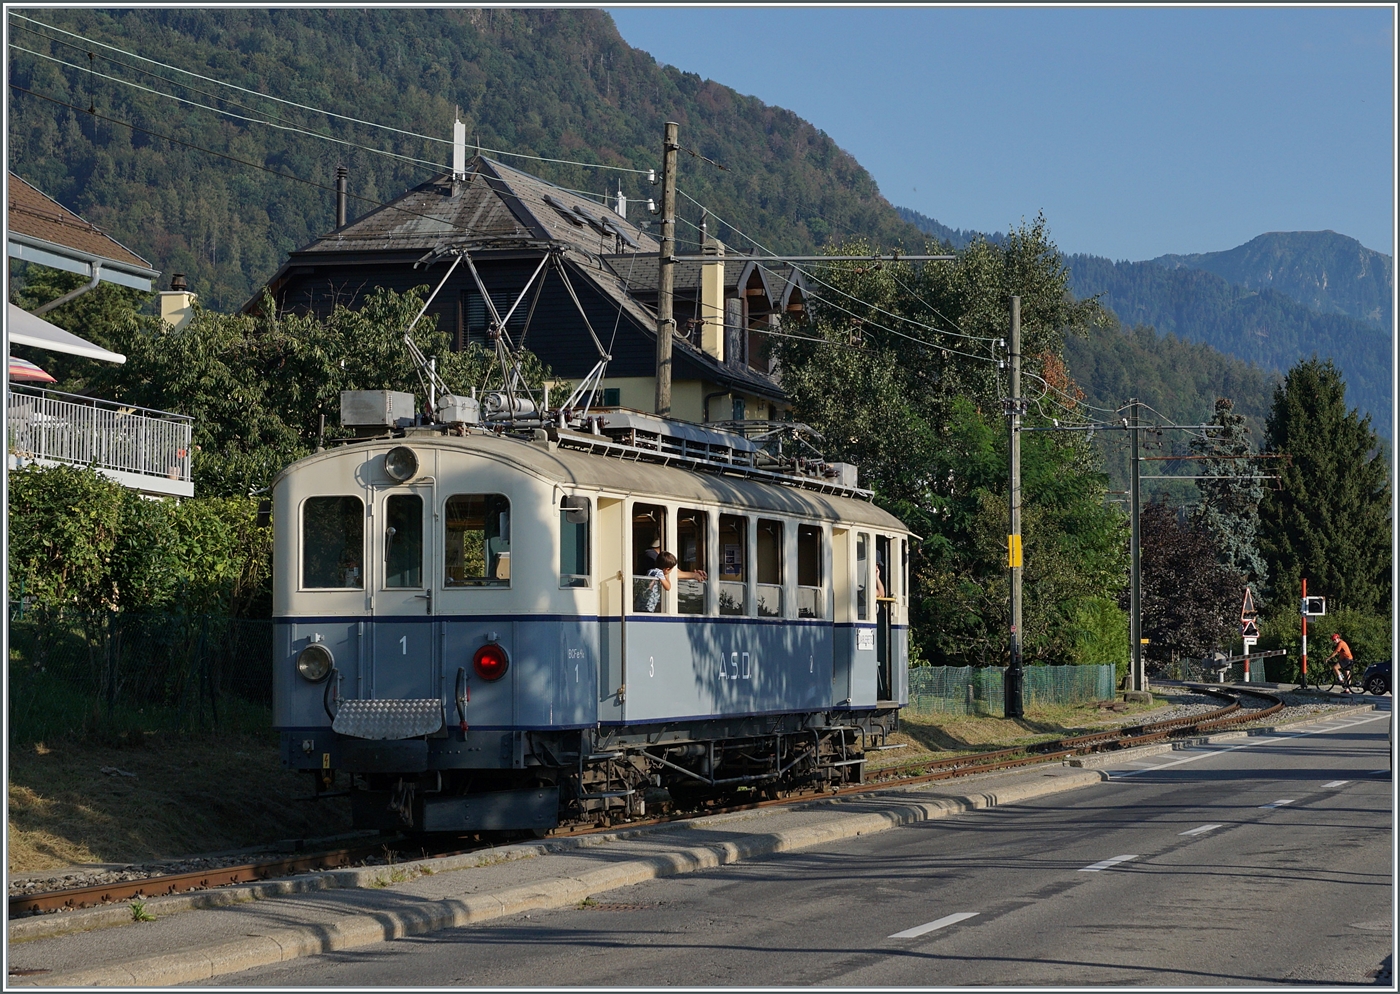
column 1330, row 522
column 1229, row 508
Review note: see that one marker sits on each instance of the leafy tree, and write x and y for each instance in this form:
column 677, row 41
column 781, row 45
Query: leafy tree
column 64, row 524
column 905, row 385
column 1330, row 521
column 1190, row 599
column 1101, row 633
column 80, row 540
column 1229, row 507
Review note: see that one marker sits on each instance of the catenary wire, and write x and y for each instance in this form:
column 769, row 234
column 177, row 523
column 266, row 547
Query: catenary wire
column 807, row 272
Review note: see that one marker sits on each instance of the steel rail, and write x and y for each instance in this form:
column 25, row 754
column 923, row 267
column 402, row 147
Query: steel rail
column 72, row 898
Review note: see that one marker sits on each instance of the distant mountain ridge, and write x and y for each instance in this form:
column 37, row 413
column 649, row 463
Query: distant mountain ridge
column 1276, row 299
column 1329, row 272
column 1265, row 327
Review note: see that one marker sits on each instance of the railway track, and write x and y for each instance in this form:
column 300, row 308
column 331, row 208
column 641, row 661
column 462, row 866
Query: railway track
column 914, row 773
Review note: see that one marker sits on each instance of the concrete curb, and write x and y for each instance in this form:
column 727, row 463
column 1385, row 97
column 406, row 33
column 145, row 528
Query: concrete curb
column 353, row 931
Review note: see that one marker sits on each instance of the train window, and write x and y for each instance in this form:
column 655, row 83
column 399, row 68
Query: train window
column 733, row 564
column 477, row 541
column 332, row 542
column 768, row 567
column 862, row 577
column 809, row 571
column 573, row 542
column 648, row 542
column 691, row 530
column 403, row 541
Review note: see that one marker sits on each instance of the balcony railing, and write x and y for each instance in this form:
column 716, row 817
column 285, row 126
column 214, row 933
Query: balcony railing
column 140, row 448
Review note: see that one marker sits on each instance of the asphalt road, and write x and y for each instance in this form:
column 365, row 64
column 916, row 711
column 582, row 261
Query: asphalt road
column 1222, row 865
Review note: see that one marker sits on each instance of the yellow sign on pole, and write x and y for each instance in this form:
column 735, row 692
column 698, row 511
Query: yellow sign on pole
column 1013, row 551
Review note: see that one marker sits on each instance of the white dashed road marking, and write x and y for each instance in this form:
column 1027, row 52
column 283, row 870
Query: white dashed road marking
column 1334, row 783
column 1261, row 740
column 1105, row 864
column 1278, row 804
column 944, row 922
column 1202, row 830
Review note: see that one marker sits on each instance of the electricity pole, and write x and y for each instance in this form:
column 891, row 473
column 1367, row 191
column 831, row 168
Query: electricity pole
column 1013, row 705
column 1137, row 678
column 665, row 321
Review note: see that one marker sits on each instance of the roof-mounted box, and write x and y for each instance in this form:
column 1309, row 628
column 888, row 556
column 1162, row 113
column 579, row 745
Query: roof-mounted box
column 376, row 409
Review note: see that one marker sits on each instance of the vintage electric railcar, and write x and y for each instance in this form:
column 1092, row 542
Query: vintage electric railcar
column 467, row 638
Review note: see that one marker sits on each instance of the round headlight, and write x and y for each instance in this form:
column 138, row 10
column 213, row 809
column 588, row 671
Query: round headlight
column 401, row 463
column 490, row 662
column 314, row 662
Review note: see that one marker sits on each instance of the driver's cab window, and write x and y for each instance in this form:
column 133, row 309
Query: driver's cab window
column 477, row 541
column 332, row 543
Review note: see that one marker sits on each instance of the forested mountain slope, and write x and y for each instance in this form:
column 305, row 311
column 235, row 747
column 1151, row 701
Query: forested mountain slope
column 956, row 237
column 560, row 84
column 1264, row 327
column 1178, row 380
column 1328, row 272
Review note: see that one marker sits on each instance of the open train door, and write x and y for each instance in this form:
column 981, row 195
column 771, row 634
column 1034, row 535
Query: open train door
column 884, row 629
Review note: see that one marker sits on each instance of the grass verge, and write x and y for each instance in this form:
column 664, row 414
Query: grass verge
column 941, row 736
column 186, row 794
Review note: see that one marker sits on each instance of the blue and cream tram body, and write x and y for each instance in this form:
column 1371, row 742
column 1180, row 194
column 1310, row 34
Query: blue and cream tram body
column 466, row 629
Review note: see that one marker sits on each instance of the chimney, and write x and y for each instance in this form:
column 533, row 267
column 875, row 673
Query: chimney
column 712, row 297
column 340, row 173
column 177, row 303
column 459, row 149
column 621, row 202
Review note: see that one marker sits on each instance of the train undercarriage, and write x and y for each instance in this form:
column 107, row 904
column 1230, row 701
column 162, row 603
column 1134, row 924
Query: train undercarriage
column 599, row 776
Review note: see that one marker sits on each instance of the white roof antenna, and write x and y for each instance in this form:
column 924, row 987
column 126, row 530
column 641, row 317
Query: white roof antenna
column 459, row 148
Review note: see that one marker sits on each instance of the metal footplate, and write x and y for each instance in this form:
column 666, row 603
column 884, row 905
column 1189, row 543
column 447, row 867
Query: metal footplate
column 388, row 719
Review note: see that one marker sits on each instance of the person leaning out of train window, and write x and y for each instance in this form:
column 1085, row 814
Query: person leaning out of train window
column 660, row 575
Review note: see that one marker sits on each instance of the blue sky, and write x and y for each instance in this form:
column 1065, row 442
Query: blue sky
column 1138, row 131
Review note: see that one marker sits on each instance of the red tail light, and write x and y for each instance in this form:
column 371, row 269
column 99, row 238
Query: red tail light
column 490, row 662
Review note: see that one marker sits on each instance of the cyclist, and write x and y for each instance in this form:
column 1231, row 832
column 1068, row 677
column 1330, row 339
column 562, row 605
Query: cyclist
column 1343, row 650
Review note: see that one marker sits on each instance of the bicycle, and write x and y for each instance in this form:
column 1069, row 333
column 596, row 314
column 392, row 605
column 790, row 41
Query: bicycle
column 1347, row 685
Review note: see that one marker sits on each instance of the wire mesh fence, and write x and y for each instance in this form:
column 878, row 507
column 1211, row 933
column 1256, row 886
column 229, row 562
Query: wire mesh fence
column 1207, row 671
column 978, row 690
column 79, row 674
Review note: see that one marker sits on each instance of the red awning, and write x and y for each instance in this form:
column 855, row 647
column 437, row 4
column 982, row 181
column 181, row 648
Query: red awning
column 25, row 371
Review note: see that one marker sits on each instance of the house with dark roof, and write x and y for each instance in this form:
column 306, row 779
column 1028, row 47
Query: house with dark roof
column 508, row 222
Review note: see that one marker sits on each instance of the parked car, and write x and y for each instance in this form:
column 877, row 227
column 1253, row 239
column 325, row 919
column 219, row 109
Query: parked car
column 1376, row 679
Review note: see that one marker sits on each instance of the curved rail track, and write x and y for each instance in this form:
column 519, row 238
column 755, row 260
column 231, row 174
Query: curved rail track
column 912, row 773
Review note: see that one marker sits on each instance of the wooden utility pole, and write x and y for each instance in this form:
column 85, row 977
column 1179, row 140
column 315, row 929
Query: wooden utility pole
column 665, row 320
column 1137, row 678
column 1014, row 704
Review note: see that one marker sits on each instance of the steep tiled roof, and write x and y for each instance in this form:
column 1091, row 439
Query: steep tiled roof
column 39, row 216
column 494, row 203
